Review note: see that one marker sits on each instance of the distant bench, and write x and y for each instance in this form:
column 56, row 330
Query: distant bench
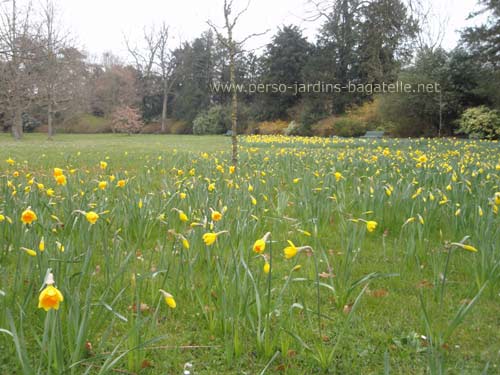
column 373, row 134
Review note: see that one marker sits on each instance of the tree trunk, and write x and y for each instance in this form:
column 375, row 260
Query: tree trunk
column 17, row 126
column 50, row 119
column 234, row 103
column 164, row 109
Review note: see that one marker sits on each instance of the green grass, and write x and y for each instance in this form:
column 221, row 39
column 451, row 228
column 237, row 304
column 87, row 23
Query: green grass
column 360, row 302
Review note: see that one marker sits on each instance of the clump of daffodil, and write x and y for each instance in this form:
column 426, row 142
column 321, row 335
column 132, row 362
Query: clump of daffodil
column 50, row 297
column 291, row 251
column 28, row 216
column 210, row 237
column 169, row 299
column 260, row 245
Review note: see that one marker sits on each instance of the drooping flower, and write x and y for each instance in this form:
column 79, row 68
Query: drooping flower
column 371, row 226
column 260, row 245
column 169, row 299
column 30, row 252
column 267, row 267
column 41, row 245
column 28, row 216
column 182, row 216
column 497, row 198
column 91, row 217
column 50, row 297
column 210, row 237
column 465, row 247
column 290, row 251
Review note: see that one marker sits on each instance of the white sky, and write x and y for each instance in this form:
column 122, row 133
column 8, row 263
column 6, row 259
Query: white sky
column 100, row 25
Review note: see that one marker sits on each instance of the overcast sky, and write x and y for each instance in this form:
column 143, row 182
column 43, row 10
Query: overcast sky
column 100, row 25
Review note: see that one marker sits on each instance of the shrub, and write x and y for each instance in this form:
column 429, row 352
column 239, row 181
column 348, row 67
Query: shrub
column 480, row 122
column 126, row 120
column 293, row 128
column 272, row 127
column 216, row 120
column 29, row 123
column 347, row 127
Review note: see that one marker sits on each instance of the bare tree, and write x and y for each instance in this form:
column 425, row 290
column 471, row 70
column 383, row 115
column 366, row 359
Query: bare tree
column 15, row 54
column 431, row 26
column 233, row 47
column 55, row 65
column 156, row 64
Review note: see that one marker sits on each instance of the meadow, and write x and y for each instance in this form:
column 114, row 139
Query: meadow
column 151, row 255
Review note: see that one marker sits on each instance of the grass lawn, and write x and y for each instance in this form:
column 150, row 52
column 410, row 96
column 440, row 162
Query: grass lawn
column 383, row 255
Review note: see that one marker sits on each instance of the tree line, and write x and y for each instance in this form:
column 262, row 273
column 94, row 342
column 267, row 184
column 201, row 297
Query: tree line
column 45, row 79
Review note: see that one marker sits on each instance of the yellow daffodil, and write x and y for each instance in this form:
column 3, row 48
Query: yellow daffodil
column 290, row 251
column 169, row 299
column 28, row 216
column 465, row 247
column 371, row 226
column 182, row 216
column 260, row 245
column 497, row 199
column 216, row 216
column 30, row 252
column 61, row 180
column 50, row 297
column 267, row 267
column 41, row 245
column 58, row 172
column 210, row 237
column 91, row 217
